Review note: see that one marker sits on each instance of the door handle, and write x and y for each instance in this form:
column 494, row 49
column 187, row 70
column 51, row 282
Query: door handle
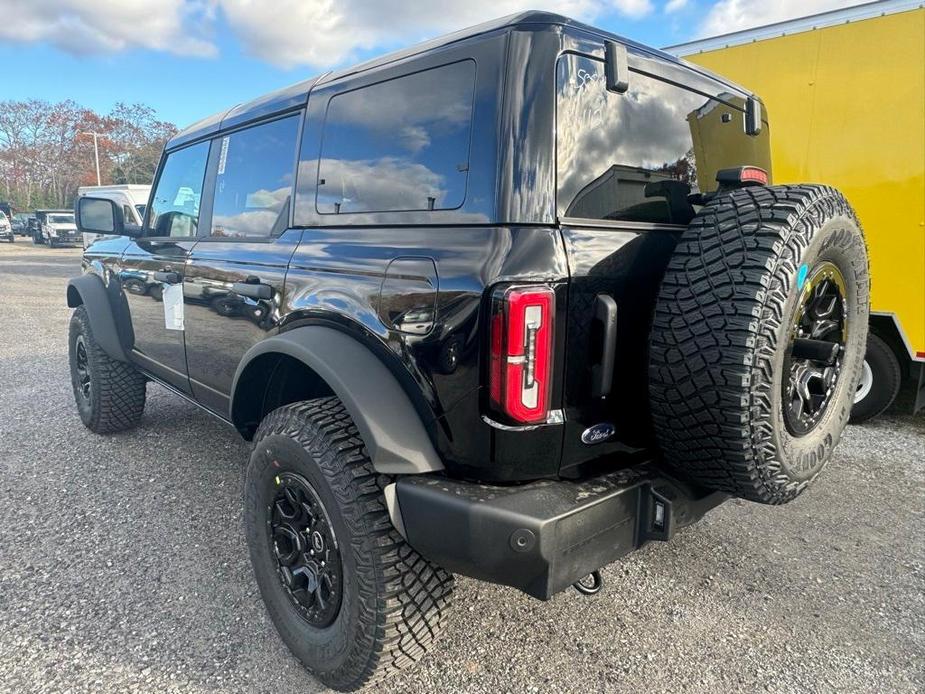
column 253, row 290
column 167, row 277
column 605, row 312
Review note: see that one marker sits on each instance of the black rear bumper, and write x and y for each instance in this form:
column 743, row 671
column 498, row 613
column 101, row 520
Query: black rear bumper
column 543, row 536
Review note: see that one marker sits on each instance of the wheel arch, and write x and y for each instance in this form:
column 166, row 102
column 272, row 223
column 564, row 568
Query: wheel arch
column 325, row 361
column 89, row 291
column 886, row 327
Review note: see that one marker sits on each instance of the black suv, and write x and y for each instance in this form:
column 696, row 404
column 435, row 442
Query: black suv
column 508, row 304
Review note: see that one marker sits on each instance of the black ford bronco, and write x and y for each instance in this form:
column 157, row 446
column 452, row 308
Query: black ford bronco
column 508, row 304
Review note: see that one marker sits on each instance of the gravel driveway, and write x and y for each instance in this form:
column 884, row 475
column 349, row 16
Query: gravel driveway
column 123, row 565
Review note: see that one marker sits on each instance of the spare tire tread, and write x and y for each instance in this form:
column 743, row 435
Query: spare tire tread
column 712, row 344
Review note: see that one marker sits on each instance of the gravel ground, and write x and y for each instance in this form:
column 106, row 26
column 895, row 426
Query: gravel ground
column 123, row 565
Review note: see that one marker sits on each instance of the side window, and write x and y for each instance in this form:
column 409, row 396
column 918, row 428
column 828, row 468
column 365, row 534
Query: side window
column 399, row 145
column 128, row 214
column 639, row 156
column 175, row 205
column 254, row 180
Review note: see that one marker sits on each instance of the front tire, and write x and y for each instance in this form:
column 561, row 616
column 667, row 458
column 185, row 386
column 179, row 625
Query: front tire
column 311, row 486
column 880, row 381
column 110, row 394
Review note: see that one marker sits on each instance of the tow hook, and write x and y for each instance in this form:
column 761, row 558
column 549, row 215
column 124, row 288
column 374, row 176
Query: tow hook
column 590, row 584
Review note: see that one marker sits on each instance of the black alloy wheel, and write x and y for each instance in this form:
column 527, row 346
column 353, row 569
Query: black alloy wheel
column 82, row 366
column 305, row 548
column 819, row 333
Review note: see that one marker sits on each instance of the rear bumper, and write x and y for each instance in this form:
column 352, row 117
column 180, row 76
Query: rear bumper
column 543, row 536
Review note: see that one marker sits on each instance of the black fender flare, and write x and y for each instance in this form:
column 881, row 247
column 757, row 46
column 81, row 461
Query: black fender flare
column 391, row 428
column 88, row 290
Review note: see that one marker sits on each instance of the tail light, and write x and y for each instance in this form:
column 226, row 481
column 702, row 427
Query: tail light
column 520, row 372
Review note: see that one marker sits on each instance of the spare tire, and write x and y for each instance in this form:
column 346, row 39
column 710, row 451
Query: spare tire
column 758, row 340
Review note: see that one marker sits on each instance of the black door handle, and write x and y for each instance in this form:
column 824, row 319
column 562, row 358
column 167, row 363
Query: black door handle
column 167, row 277
column 253, row 290
column 605, row 312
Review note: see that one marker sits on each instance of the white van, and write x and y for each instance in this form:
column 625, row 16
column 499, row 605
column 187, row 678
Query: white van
column 132, row 197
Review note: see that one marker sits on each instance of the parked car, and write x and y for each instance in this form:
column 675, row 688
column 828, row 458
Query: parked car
column 55, row 228
column 637, row 324
column 6, row 228
column 132, row 198
column 805, row 61
column 20, row 223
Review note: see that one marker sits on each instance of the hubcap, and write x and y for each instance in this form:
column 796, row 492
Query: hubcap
column 303, row 543
column 82, row 365
column 816, row 348
column 865, row 384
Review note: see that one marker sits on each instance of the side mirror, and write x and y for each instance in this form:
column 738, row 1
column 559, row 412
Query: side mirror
column 102, row 216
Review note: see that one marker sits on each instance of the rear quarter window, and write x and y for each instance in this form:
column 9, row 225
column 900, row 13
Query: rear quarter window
column 638, row 156
column 398, row 145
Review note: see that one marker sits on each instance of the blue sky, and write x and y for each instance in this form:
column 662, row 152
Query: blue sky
column 190, row 58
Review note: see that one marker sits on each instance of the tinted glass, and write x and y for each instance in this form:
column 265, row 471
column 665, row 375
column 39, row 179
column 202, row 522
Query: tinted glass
column 96, row 215
column 254, row 180
column 175, row 205
column 399, row 145
column 638, row 156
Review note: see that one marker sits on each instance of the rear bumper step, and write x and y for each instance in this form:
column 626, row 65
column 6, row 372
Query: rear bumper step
column 543, row 536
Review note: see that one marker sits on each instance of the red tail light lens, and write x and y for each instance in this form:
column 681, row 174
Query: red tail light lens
column 520, row 372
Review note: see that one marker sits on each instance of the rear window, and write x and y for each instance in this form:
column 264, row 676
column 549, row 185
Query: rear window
column 399, row 145
column 639, row 156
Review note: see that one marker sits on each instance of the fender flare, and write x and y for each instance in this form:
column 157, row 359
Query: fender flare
column 88, row 290
column 391, row 428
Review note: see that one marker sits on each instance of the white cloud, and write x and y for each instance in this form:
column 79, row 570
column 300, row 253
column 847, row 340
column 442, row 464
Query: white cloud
column 97, row 26
column 674, row 6
column 318, row 33
column 734, row 15
column 322, row 33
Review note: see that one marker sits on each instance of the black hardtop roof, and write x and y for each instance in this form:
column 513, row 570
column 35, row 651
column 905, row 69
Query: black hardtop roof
column 295, row 95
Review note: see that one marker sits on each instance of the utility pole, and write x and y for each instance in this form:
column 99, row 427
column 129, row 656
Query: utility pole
column 96, row 154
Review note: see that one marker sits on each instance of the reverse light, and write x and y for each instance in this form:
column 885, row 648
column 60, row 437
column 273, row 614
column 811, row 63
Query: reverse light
column 520, row 371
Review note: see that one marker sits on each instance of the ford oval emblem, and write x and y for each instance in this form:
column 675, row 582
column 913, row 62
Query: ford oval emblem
column 598, row 433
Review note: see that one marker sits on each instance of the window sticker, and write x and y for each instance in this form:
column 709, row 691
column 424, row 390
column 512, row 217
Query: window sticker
column 173, row 306
column 223, row 156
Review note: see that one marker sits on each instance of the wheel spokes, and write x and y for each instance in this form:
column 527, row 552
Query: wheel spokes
column 818, row 338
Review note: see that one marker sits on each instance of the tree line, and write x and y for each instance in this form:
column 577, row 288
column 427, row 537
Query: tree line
column 46, row 149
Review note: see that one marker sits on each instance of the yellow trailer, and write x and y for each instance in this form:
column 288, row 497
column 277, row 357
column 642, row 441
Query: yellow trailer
column 845, row 95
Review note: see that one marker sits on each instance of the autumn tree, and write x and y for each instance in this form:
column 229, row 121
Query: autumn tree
column 46, row 151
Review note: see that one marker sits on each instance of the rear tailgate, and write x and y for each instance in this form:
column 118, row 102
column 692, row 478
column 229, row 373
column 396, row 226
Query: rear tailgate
column 624, row 265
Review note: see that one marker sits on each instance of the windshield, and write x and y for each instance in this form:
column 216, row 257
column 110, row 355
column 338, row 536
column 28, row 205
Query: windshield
column 60, row 219
column 2, row 215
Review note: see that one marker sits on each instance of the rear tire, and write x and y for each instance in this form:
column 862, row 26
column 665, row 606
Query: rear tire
column 880, row 381
column 393, row 602
column 729, row 407
column 110, row 394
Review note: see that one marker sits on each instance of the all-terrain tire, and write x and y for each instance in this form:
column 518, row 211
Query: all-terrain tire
column 394, row 602
column 885, row 374
column 110, row 394
column 720, row 339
